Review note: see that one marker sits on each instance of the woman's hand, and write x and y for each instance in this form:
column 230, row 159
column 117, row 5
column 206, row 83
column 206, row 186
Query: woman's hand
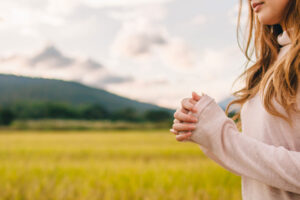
column 184, row 123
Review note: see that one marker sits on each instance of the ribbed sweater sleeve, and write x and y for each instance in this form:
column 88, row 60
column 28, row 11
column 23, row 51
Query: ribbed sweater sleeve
column 220, row 140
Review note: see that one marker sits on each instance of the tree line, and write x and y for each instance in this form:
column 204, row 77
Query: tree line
column 54, row 110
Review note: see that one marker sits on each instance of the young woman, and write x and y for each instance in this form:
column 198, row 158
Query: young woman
column 266, row 154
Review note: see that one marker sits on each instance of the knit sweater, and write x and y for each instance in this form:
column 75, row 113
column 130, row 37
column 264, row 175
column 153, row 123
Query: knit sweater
column 266, row 154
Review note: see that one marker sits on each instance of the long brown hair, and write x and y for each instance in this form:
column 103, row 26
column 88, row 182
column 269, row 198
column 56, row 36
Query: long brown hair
column 284, row 75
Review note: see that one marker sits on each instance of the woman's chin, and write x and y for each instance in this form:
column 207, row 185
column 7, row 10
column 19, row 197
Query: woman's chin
column 267, row 19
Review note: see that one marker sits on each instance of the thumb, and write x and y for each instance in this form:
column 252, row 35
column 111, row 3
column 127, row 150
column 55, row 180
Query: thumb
column 196, row 97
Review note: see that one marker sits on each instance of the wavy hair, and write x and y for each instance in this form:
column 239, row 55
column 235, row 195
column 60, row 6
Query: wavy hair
column 273, row 78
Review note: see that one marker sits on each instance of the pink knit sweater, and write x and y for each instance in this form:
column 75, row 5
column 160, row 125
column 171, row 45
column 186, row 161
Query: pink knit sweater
column 267, row 152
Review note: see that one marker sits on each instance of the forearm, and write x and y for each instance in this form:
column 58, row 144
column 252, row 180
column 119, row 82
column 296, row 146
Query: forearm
column 241, row 154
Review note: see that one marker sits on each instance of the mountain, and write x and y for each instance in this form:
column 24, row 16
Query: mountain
column 223, row 104
column 18, row 88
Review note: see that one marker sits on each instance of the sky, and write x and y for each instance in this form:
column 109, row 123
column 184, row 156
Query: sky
column 154, row 51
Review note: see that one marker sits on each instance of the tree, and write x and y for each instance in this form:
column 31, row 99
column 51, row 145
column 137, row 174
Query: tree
column 157, row 115
column 94, row 111
column 6, row 116
column 127, row 114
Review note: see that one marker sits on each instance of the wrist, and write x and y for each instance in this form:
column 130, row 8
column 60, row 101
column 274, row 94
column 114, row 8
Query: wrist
column 211, row 119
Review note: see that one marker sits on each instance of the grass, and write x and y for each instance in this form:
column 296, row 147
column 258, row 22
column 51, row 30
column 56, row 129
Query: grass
column 108, row 165
column 69, row 124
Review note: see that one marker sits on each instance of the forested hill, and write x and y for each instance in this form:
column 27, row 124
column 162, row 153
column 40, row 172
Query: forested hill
column 24, row 89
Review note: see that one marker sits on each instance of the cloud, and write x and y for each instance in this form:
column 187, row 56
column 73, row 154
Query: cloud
column 233, row 14
column 118, row 3
column 138, row 38
column 91, row 64
column 215, row 71
column 115, row 79
column 143, row 11
column 143, row 39
column 51, row 63
column 178, row 54
column 198, row 20
column 150, row 39
column 219, row 64
column 157, row 91
column 169, row 94
column 25, row 17
column 50, row 56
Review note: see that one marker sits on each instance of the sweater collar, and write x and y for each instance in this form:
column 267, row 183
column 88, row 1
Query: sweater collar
column 283, row 39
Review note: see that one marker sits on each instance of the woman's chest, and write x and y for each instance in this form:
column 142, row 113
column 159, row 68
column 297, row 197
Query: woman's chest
column 261, row 125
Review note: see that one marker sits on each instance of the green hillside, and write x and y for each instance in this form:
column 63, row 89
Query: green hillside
column 24, row 89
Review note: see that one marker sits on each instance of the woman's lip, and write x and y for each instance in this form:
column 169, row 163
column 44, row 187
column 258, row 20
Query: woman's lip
column 256, row 4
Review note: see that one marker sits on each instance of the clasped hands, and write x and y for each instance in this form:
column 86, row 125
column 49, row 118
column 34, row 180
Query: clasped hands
column 184, row 122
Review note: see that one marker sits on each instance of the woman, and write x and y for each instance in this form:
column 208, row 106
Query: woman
column 267, row 152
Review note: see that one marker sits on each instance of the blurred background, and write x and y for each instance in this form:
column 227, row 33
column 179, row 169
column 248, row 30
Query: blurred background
column 88, row 89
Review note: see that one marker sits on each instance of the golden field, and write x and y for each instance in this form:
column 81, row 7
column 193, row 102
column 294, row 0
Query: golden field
column 108, row 165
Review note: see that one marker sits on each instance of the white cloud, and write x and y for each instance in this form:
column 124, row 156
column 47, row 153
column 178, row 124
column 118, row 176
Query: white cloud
column 169, row 94
column 218, row 68
column 24, row 18
column 16, row 13
column 87, row 27
column 124, row 3
column 214, row 75
column 143, row 39
column 159, row 92
column 233, row 14
column 219, row 64
column 178, row 54
column 51, row 63
column 137, row 39
column 198, row 20
column 153, row 12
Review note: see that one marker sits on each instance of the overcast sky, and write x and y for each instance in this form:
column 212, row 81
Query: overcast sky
column 155, row 51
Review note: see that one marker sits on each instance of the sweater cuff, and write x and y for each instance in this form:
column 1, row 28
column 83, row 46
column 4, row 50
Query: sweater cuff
column 211, row 121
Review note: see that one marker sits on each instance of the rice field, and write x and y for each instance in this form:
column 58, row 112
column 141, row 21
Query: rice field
column 108, row 165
